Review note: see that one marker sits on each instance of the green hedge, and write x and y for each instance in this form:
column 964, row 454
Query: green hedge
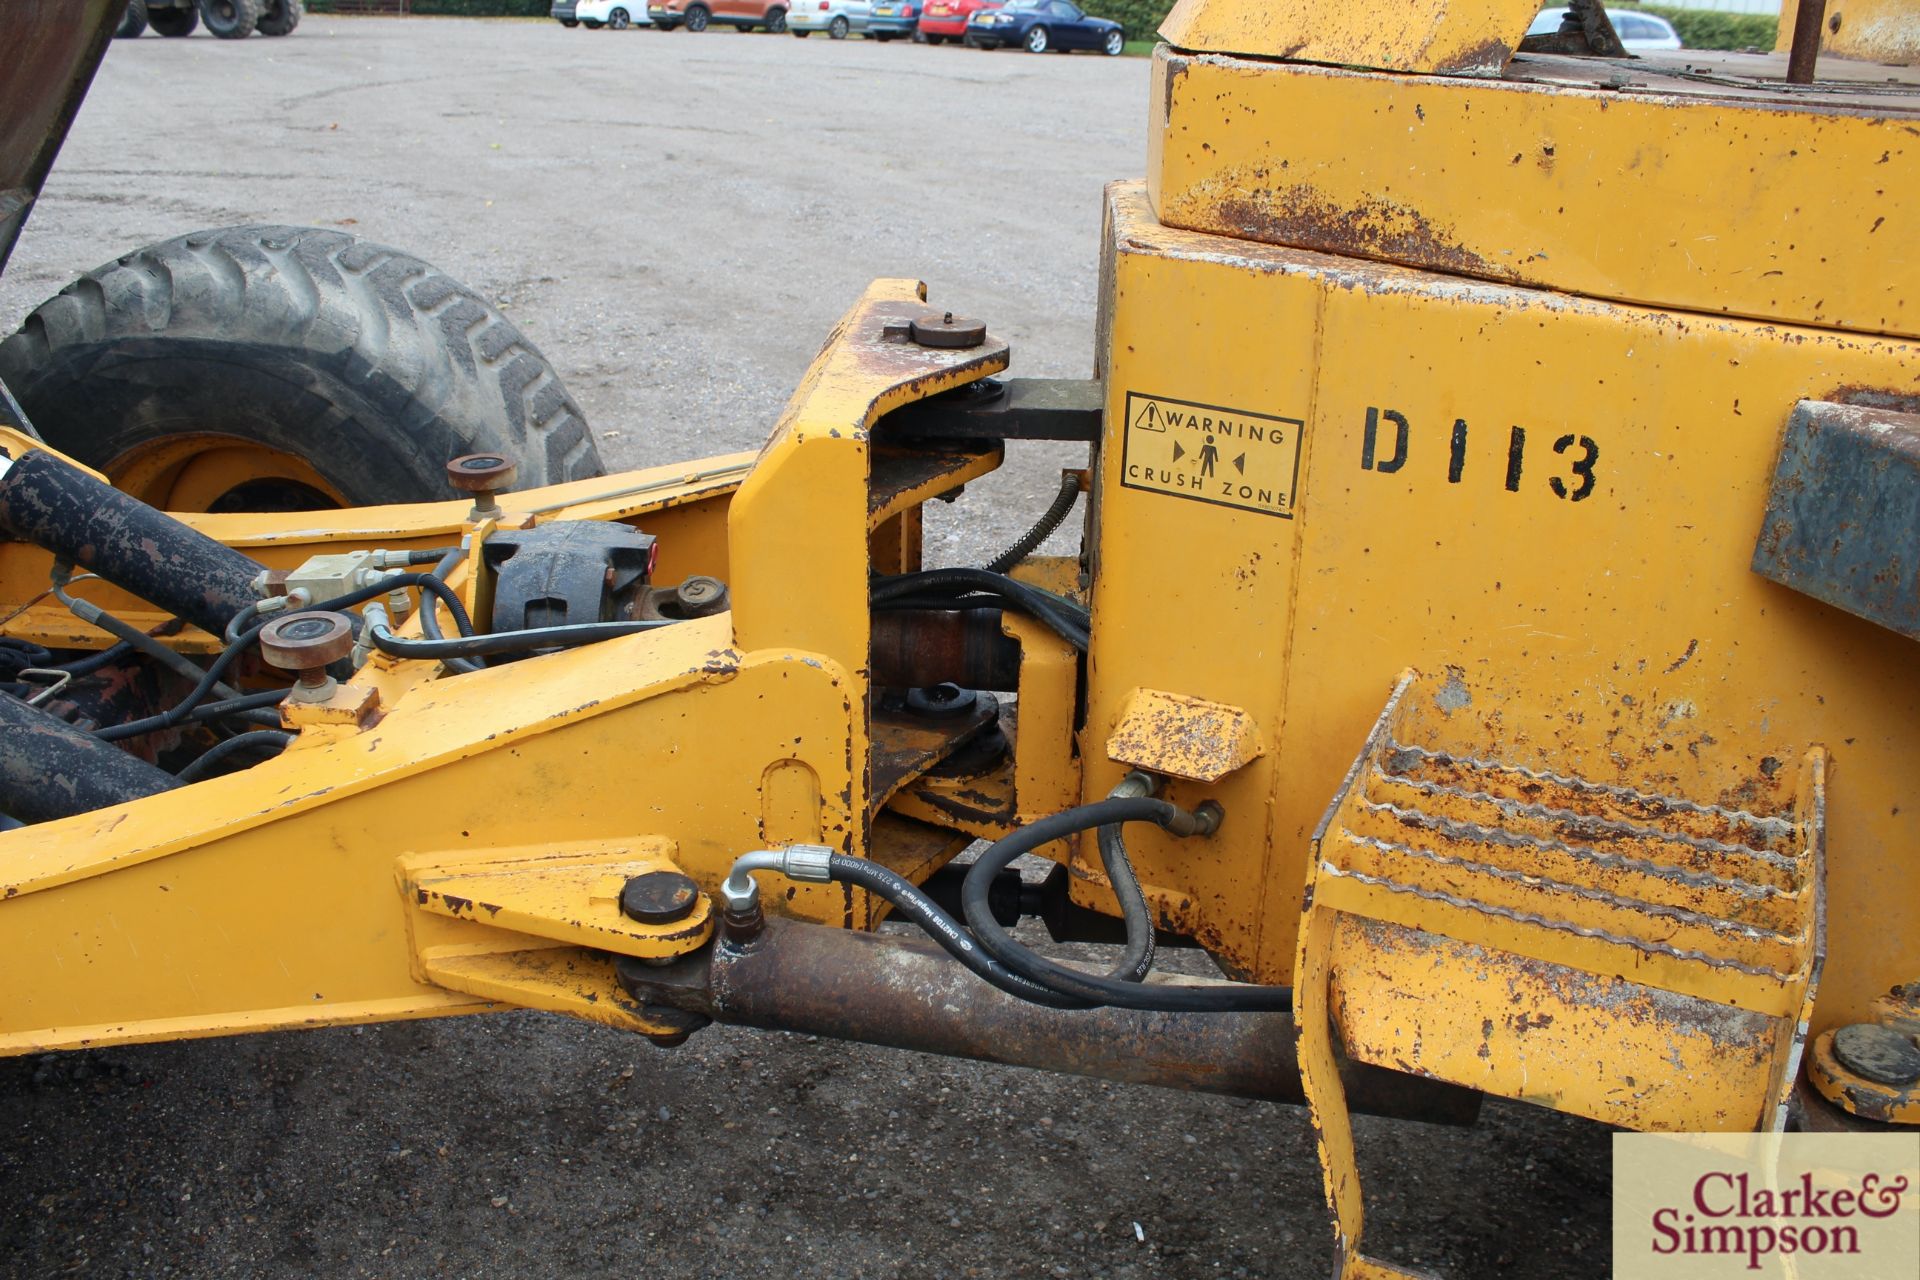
column 1705, row 29
column 1141, row 18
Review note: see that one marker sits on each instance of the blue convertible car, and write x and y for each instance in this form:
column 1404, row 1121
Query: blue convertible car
column 1040, row 25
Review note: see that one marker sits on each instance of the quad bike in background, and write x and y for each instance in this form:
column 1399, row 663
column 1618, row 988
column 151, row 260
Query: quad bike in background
column 227, row 19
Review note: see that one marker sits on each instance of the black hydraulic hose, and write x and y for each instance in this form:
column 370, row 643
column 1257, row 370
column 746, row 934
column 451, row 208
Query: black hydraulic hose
column 119, row 651
column 568, row 636
column 1137, row 961
column 430, row 611
column 180, row 712
column 1160, row 997
column 914, row 905
column 1042, row 529
column 1061, row 615
column 199, row 767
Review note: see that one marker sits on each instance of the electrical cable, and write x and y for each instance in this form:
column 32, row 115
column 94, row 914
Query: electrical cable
column 1042, row 529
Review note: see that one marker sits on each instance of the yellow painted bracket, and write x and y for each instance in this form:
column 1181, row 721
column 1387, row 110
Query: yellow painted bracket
column 1182, row 736
column 567, row 893
column 1457, row 37
column 1641, row 959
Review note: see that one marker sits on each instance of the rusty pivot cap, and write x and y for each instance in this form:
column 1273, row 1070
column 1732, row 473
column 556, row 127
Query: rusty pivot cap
column 659, row 897
column 1879, row 1053
column 480, row 472
column 948, row 330
column 304, row 641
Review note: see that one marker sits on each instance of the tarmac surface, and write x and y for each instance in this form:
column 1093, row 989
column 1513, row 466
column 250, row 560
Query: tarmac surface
column 677, row 220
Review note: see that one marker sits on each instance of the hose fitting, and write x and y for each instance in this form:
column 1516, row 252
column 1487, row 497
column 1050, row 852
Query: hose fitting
column 741, row 914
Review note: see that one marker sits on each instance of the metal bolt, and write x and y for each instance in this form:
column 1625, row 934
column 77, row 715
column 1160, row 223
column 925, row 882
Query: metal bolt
column 948, row 332
column 1879, row 1053
column 741, row 918
column 482, row 475
column 940, row 700
column 307, row 643
column 659, row 897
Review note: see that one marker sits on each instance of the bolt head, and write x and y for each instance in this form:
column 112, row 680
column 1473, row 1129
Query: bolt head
column 949, row 331
column 659, row 897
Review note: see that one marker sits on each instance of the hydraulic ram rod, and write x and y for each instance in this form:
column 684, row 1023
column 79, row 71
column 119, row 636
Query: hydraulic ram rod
column 908, row 994
column 130, row 544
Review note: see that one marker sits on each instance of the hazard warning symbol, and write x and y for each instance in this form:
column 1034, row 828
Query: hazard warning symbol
column 1228, row 457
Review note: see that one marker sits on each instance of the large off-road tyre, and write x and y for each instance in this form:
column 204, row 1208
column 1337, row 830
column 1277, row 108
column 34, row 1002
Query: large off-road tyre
column 176, row 23
column 133, row 21
column 230, row 19
column 285, row 368
column 279, row 17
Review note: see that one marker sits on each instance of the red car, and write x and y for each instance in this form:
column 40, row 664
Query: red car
column 946, row 20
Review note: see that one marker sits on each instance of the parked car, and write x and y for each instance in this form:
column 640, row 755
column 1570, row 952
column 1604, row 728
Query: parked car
column 594, row 14
column 1639, row 32
column 1042, row 25
column 835, row 17
column 698, row 15
column 894, row 18
column 944, row 20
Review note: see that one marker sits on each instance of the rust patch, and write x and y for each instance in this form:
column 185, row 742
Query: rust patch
column 1304, row 217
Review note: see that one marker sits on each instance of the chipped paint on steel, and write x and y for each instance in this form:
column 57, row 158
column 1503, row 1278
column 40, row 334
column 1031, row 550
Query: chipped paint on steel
column 1843, row 514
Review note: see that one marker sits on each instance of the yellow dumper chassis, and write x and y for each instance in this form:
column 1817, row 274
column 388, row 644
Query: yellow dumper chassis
column 1507, row 622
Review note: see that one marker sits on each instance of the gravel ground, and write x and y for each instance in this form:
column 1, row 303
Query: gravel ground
column 677, row 220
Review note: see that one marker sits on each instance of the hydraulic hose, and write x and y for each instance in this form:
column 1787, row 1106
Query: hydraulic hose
column 960, row 586
column 1042, row 529
column 181, row 711
column 1022, row 960
column 430, row 612
column 916, row 906
column 1137, row 961
column 258, row 738
column 568, row 636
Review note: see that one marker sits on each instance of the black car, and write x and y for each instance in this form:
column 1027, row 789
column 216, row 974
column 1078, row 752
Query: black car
column 1040, row 25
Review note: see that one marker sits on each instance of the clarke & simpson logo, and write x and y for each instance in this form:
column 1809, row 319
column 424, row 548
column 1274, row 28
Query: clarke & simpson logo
column 1804, row 1206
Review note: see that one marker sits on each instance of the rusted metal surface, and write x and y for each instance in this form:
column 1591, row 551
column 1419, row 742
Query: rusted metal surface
column 1183, row 737
column 1584, row 30
column 913, row 648
column 49, row 769
column 907, row 477
column 907, row 743
column 1003, row 409
column 1882, row 31
column 133, row 546
column 908, row 994
column 1843, row 515
column 1804, row 52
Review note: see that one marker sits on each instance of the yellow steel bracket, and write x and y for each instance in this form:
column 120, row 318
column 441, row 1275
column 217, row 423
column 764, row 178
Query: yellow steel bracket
column 1460, row 37
column 1640, row 959
column 538, row 926
column 265, row 899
